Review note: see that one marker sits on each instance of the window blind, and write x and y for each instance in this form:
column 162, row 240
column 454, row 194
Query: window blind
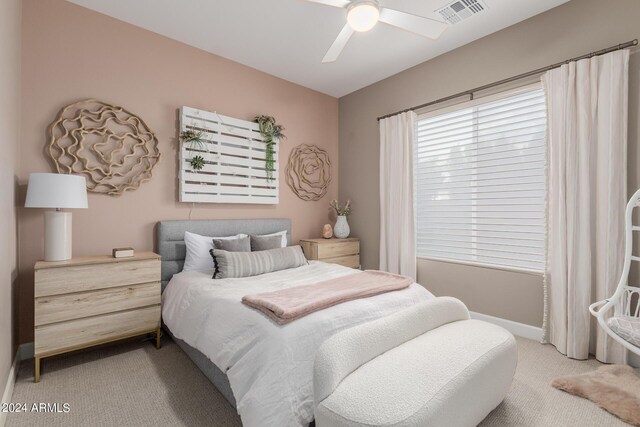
column 480, row 183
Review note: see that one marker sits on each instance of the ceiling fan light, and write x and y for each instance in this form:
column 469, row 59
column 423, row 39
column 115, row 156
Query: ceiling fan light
column 363, row 16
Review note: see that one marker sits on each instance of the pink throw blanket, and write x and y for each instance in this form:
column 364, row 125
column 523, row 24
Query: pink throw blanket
column 286, row 305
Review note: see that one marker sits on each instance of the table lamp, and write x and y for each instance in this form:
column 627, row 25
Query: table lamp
column 58, row 191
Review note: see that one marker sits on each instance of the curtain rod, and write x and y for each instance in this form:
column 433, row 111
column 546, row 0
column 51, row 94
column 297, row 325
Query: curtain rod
column 470, row 92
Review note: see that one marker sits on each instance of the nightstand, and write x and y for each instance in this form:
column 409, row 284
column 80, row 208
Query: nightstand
column 336, row 251
column 89, row 301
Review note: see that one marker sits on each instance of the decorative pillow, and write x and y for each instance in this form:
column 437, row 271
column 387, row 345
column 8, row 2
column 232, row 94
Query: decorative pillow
column 198, row 247
column 282, row 234
column 245, row 264
column 242, row 244
column 264, row 243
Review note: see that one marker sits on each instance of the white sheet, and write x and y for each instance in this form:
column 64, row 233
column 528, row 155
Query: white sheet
column 270, row 367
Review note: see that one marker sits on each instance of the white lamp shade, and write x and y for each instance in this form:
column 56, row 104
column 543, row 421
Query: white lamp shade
column 55, row 190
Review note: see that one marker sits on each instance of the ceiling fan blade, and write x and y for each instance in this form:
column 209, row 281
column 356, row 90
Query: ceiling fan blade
column 426, row 27
column 334, row 3
column 338, row 44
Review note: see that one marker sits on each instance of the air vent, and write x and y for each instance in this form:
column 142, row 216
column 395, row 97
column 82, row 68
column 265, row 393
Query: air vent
column 459, row 10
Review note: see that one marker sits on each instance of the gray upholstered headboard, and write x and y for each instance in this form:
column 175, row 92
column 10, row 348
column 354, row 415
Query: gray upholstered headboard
column 171, row 236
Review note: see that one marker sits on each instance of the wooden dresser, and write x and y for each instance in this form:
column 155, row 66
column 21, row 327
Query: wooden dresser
column 337, row 251
column 88, row 301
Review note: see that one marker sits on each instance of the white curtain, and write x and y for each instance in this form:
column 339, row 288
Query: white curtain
column 397, row 218
column 587, row 161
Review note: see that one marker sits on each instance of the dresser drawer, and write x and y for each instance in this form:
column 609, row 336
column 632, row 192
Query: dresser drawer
column 337, row 249
column 58, row 308
column 351, row 261
column 74, row 334
column 79, row 278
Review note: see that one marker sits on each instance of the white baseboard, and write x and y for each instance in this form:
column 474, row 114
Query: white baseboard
column 519, row 329
column 633, row 360
column 533, row 333
column 8, row 390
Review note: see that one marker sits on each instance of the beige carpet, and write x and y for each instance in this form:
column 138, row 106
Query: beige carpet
column 132, row 384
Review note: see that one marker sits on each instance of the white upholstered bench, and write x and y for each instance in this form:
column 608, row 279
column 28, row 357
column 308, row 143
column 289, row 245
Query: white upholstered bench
column 428, row 365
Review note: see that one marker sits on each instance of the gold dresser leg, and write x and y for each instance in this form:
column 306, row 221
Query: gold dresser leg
column 158, row 338
column 36, row 375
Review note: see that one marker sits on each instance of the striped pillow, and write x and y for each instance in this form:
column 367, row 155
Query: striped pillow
column 245, row 264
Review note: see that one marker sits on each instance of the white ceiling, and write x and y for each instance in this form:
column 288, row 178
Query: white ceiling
column 288, row 38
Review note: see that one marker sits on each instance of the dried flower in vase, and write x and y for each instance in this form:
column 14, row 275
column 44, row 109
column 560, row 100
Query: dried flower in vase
column 341, row 211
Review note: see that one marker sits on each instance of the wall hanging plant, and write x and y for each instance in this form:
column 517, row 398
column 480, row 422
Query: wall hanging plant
column 112, row 148
column 308, row 172
column 196, row 140
column 272, row 133
column 227, row 160
column 197, row 162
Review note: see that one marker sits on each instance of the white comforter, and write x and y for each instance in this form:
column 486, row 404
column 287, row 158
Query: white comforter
column 270, row 367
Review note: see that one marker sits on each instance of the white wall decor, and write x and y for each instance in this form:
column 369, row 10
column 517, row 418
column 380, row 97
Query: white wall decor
column 234, row 155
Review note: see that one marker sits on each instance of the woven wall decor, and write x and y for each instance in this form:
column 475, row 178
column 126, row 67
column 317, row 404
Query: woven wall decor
column 112, row 148
column 308, row 172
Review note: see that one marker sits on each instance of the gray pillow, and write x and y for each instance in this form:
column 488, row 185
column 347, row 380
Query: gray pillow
column 264, row 243
column 245, row 264
column 242, row 244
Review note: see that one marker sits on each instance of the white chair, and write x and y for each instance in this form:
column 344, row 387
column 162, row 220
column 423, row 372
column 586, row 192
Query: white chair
column 624, row 325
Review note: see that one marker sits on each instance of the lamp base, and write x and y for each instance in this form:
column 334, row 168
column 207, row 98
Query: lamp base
column 57, row 232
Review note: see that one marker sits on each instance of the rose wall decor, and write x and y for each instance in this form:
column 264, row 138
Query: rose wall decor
column 308, row 172
column 112, row 148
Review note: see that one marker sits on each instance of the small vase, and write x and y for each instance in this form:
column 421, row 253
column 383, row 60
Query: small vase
column 341, row 229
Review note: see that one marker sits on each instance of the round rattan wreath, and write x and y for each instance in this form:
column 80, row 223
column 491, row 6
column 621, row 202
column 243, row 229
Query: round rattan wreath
column 114, row 149
column 308, row 172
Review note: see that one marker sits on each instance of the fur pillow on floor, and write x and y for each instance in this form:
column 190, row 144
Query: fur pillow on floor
column 614, row 388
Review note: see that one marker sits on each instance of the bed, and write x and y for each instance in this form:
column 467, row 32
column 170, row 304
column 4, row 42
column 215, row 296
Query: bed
column 263, row 369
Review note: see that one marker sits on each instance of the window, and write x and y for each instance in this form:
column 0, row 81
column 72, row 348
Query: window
column 480, row 182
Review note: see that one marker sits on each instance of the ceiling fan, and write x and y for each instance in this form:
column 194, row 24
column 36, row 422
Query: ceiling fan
column 363, row 15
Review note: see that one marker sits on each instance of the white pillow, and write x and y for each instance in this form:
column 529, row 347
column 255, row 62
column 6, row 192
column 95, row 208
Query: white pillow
column 284, row 237
column 198, row 247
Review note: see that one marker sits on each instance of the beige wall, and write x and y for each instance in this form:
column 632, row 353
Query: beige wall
column 10, row 11
column 72, row 53
column 577, row 27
